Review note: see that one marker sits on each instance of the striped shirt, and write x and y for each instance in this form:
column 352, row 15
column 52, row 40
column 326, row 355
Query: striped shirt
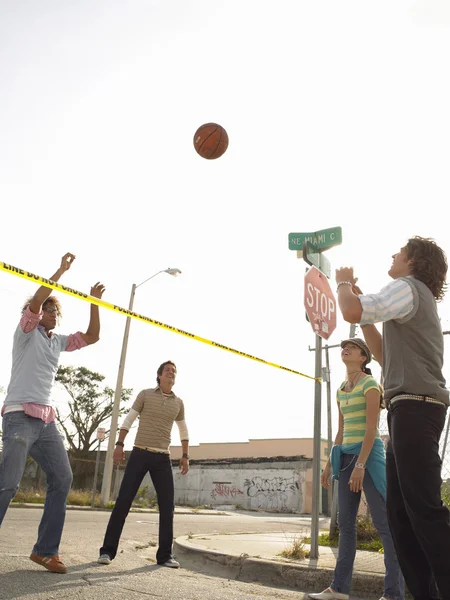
column 354, row 408
column 157, row 413
column 394, row 301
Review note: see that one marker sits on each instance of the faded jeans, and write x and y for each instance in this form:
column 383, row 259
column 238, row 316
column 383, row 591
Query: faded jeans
column 394, row 587
column 23, row 436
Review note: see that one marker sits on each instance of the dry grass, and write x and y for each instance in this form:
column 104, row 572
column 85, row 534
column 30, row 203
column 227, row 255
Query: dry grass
column 296, row 551
column 77, row 498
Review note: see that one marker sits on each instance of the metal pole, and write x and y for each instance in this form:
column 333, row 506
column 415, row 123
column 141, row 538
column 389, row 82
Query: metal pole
column 108, row 469
column 335, row 503
column 444, row 447
column 97, row 462
column 330, row 428
column 316, row 452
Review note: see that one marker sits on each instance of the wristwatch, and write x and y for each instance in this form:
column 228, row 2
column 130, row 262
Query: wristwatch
column 186, row 455
column 119, row 444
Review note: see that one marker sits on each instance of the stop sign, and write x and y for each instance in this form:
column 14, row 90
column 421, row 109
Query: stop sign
column 320, row 303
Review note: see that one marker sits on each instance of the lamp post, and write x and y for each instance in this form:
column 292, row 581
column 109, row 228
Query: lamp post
column 108, row 469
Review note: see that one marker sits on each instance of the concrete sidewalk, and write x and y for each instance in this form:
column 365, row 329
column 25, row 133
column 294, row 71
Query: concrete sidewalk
column 255, row 557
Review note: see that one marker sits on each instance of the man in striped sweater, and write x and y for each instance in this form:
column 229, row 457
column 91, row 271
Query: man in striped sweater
column 157, row 409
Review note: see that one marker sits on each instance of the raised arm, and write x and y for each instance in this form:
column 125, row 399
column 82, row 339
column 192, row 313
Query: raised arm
column 349, row 302
column 44, row 292
column 92, row 334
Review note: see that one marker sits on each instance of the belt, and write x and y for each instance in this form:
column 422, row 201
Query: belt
column 155, row 450
column 426, row 399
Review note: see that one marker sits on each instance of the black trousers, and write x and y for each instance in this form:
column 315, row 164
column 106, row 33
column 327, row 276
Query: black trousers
column 418, row 519
column 139, row 464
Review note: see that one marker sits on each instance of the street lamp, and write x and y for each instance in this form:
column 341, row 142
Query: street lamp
column 108, row 469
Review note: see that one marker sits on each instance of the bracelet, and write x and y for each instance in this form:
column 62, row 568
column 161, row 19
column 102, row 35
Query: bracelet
column 360, row 465
column 343, row 283
column 119, row 444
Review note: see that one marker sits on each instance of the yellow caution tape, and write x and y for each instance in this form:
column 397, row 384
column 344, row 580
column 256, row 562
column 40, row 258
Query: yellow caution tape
column 54, row 285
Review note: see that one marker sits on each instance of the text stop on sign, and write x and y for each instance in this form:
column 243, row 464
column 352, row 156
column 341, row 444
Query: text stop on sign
column 320, row 304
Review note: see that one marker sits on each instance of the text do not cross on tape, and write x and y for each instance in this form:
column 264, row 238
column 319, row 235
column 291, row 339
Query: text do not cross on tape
column 123, row 311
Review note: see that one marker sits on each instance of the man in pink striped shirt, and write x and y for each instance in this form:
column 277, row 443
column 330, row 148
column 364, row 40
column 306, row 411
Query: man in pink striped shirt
column 28, row 415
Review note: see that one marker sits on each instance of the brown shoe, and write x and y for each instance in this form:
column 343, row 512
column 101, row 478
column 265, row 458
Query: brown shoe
column 52, row 563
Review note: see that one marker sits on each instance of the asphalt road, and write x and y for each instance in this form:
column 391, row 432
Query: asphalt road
column 132, row 574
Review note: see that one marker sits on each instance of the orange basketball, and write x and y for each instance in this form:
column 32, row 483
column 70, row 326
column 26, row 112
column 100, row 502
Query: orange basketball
column 210, row 140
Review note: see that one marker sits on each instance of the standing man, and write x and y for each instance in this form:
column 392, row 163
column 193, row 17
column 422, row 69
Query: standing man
column 157, row 408
column 411, row 354
column 29, row 417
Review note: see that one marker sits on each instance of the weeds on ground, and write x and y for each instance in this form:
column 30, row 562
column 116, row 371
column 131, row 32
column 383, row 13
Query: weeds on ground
column 296, row 550
column 367, row 537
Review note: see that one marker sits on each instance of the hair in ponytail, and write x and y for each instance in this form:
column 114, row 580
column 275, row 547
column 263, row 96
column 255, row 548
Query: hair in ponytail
column 367, row 371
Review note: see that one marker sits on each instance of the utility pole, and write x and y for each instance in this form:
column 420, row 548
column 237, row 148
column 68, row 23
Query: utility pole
column 327, row 378
column 317, row 443
column 332, row 492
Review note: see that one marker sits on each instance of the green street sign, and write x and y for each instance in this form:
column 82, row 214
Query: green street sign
column 313, row 257
column 322, row 240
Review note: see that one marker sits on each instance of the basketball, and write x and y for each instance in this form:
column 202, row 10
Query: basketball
column 210, row 140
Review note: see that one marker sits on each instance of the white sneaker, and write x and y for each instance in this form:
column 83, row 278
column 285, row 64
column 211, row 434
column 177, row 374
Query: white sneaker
column 329, row 594
column 104, row 559
column 172, row 563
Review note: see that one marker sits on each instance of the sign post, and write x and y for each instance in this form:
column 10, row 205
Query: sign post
column 320, row 306
column 314, row 553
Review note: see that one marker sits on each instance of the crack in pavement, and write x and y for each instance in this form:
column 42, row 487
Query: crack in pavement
column 140, row 592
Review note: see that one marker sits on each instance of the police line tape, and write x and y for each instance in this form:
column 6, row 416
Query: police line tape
column 123, row 311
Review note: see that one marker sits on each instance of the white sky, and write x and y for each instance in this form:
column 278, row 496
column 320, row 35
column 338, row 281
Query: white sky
column 337, row 114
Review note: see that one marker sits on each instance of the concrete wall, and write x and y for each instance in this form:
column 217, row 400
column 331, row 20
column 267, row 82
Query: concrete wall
column 279, row 486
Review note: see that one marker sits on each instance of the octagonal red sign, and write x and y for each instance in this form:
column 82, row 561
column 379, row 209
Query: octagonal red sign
column 320, row 303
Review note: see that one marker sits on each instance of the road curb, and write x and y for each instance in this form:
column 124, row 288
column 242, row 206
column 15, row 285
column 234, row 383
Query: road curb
column 295, row 576
column 151, row 511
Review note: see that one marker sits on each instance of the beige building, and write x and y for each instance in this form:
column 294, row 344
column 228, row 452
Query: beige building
column 263, row 448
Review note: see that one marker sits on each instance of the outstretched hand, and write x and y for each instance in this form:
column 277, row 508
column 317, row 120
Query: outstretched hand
column 66, row 261
column 97, row 290
column 345, row 274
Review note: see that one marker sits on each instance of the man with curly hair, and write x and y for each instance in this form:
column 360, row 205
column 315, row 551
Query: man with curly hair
column 29, row 417
column 411, row 352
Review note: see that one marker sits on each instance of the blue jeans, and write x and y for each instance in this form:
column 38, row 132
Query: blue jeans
column 394, row 587
column 23, row 436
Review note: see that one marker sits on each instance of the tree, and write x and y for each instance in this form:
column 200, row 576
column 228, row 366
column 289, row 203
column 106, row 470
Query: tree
column 89, row 405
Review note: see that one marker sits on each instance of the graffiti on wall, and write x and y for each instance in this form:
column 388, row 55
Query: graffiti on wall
column 225, row 489
column 271, row 494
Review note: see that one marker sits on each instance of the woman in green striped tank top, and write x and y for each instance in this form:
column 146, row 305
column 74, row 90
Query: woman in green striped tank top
column 358, row 462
